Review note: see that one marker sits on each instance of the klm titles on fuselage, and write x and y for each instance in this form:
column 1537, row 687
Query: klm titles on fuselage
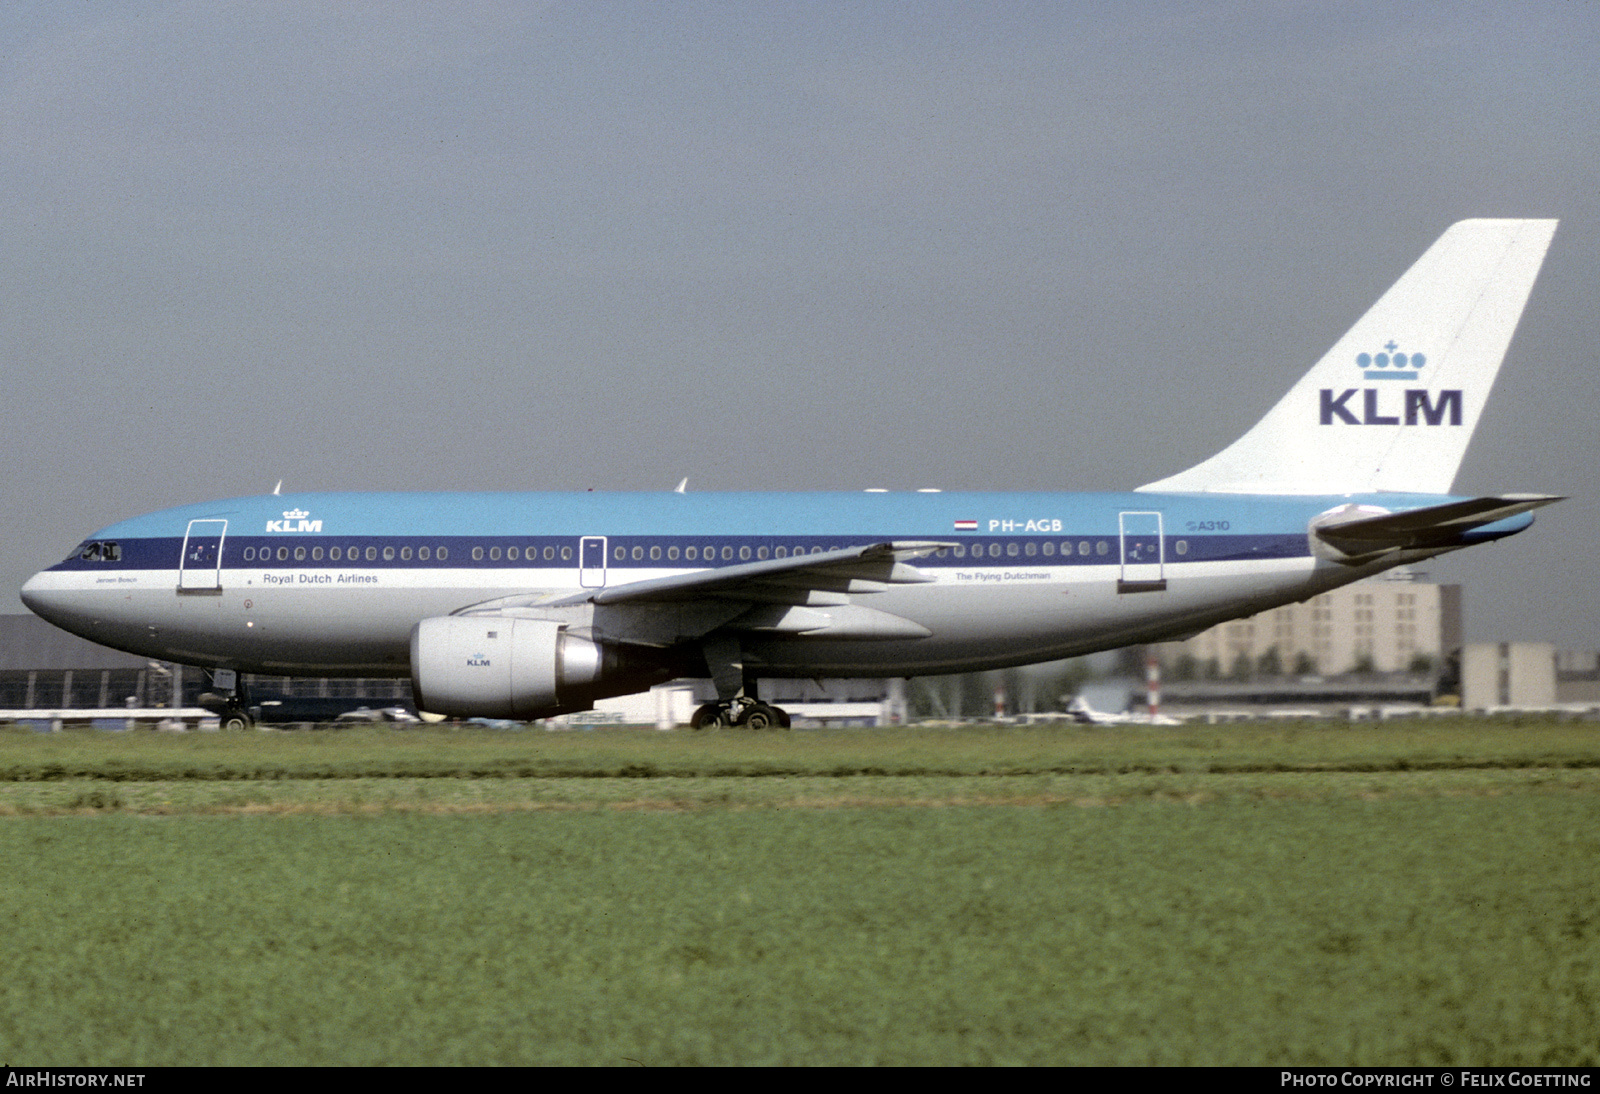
column 1417, row 406
column 294, row 520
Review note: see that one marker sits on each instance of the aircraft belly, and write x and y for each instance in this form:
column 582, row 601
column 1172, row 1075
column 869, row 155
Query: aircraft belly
column 976, row 627
column 310, row 627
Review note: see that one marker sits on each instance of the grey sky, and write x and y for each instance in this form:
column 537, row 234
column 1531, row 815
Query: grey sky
column 766, row 246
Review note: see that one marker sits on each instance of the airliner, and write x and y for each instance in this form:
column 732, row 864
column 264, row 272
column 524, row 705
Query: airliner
column 529, row 605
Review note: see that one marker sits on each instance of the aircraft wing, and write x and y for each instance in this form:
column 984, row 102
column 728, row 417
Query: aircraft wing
column 802, row 595
column 782, row 580
column 1354, row 534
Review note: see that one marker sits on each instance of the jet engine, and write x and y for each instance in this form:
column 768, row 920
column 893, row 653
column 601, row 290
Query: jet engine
column 486, row 666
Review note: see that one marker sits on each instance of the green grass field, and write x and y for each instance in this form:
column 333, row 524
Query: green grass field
column 1405, row 894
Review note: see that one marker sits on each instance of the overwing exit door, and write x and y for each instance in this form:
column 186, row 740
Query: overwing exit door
column 592, row 562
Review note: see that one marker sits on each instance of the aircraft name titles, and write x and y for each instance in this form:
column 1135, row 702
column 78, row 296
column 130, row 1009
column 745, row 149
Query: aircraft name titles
column 982, row 576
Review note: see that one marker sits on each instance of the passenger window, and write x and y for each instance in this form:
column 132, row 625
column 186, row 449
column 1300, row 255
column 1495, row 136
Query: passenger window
column 249, row 554
column 761, row 552
column 620, row 553
column 1182, row 546
column 781, row 552
column 655, row 553
column 405, row 554
column 316, row 554
column 422, row 554
column 727, row 553
column 443, row 553
column 566, row 554
column 353, row 553
column 1101, row 548
column 335, row 554
column 1049, row 549
column 511, row 554
column 388, row 554
column 959, row 550
column 638, row 553
column 283, row 554
column 744, row 554
column 477, row 554
column 690, row 553
column 494, row 554
column 372, row 554
column 672, row 553
column 1083, row 547
column 550, row 553
column 1012, row 549
column 299, row 554
column 1030, row 549
column 994, row 550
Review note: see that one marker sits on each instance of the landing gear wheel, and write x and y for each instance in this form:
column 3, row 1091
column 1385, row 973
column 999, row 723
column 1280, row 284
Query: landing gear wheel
column 710, row 715
column 762, row 716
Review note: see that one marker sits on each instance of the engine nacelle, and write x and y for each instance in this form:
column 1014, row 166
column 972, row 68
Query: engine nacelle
column 468, row 666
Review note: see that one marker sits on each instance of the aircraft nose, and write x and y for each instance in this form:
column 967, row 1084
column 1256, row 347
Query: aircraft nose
column 43, row 600
column 30, row 593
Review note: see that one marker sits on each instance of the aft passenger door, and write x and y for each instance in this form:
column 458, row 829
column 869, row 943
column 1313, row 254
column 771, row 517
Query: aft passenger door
column 200, row 563
column 1143, row 568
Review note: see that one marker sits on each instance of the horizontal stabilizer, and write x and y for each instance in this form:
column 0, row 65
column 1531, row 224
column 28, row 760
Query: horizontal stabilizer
column 1355, row 534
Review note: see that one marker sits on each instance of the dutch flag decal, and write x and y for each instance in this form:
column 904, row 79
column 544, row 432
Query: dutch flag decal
column 966, row 526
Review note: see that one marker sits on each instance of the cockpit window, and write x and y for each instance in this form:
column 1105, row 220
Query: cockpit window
column 98, row 551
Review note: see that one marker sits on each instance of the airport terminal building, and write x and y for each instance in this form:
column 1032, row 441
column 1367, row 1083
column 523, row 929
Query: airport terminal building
column 1384, row 625
column 43, row 667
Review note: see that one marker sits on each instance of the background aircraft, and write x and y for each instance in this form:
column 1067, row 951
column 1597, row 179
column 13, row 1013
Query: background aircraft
column 1085, row 714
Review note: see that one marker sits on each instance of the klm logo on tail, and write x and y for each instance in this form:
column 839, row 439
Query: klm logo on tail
column 1416, row 406
column 1377, row 366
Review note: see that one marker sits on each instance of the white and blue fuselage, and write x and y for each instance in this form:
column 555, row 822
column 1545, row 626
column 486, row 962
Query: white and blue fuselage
column 524, row 605
column 334, row 584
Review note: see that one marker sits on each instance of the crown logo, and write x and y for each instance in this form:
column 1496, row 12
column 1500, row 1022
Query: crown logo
column 296, row 514
column 1390, row 365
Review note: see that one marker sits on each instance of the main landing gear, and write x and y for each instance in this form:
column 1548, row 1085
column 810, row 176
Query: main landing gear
column 736, row 703
column 745, row 712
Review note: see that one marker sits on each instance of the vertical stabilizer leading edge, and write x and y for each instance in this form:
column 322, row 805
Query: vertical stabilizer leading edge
column 1393, row 404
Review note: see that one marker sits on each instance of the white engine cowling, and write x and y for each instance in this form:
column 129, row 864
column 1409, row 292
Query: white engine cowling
column 468, row 666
